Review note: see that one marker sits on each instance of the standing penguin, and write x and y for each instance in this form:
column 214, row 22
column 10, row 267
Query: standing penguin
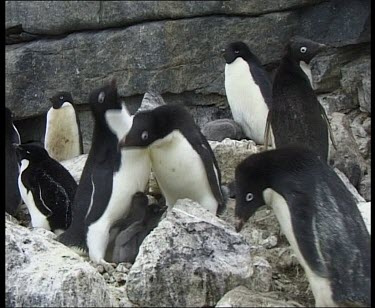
column 318, row 216
column 182, row 159
column 296, row 116
column 12, row 193
column 249, row 90
column 46, row 187
column 109, row 179
column 63, row 138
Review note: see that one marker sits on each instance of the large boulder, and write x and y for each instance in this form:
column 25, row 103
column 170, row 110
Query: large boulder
column 191, row 259
column 44, row 273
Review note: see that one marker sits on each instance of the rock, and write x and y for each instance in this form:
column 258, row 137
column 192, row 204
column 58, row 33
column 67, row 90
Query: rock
column 336, row 101
column 75, row 166
column 365, row 187
column 229, row 153
column 364, row 92
column 10, row 218
column 243, row 297
column 65, row 17
column 361, row 128
column 191, row 259
column 357, row 197
column 365, row 209
column 220, row 129
column 119, row 293
column 42, row 272
column 347, row 158
column 150, row 101
column 262, row 276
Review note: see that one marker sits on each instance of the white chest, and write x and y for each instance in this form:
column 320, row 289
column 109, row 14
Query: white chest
column 38, row 220
column 245, row 100
column 180, row 171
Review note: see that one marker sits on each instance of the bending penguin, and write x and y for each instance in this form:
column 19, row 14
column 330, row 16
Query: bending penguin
column 296, row 116
column 249, row 90
column 63, row 138
column 318, row 216
column 12, row 193
column 109, row 179
column 46, row 187
column 182, row 159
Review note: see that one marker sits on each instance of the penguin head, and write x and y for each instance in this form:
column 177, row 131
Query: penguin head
column 61, row 99
column 238, row 50
column 154, row 125
column 31, row 152
column 302, row 49
column 103, row 99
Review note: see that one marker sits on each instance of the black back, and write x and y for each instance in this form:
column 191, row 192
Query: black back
column 52, row 186
column 296, row 114
column 12, row 194
column 58, row 100
column 103, row 160
column 323, row 212
column 260, row 75
column 149, row 126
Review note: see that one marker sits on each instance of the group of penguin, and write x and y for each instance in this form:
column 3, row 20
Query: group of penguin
column 107, row 215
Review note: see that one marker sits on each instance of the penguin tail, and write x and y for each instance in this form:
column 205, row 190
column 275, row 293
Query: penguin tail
column 72, row 239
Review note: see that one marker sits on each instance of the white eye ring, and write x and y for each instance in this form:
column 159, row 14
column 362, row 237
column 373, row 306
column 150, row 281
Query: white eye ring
column 236, row 51
column 303, row 49
column 144, row 135
column 101, row 97
column 27, row 152
column 61, row 97
column 249, row 197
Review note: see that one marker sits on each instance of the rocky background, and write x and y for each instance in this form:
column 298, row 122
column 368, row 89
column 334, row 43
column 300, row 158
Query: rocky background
column 173, row 48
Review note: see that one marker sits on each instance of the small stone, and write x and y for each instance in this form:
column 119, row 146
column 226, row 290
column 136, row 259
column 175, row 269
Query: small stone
column 122, row 267
column 269, row 242
column 100, row 269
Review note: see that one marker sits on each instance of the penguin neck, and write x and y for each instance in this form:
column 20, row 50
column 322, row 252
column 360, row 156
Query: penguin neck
column 291, row 67
column 103, row 134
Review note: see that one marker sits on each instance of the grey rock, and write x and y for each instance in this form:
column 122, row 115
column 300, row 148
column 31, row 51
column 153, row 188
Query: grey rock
column 10, row 218
column 150, row 101
column 119, row 293
column 336, row 101
column 364, row 93
column 75, row 166
column 42, row 272
column 243, row 297
column 365, row 187
column 262, row 276
column 229, row 153
column 191, row 259
column 361, row 128
column 64, row 17
column 347, row 158
column 220, row 129
column 357, row 197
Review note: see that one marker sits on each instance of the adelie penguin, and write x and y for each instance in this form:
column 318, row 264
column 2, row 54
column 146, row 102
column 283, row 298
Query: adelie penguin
column 318, row 216
column 296, row 116
column 63, row 138
column 46, row 187
column 109, row 178
column 182, row 159
column 249, row 90
column 12, row 137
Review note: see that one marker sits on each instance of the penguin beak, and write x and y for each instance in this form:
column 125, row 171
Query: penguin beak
column 223, row 51
column 239, row 224
column 322, row 47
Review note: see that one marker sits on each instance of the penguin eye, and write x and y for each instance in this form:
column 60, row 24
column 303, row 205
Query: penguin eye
column 236, row 51
column 249, row 197
column 27, row 152
column 144, row 135
column 101, row 97
column 61, row 97
column 303, row 49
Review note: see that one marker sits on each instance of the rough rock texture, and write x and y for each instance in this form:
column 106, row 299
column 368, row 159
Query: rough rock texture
column 220, row 129
column 42, row 272
column 243, row 297
column 75, row 166
column 191, row 259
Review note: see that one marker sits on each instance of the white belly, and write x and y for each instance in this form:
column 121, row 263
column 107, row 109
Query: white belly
column 38, row 220
column 320, row 287
column 180, row 172
column 62, row 133
column 245, row 100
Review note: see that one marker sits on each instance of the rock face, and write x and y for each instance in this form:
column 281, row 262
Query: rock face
column 191, row 259
column 42, row 272
column 220, row 129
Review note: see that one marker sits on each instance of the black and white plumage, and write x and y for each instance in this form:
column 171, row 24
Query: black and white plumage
column 12, row 137
column 182, row 160
column 319, row 217
column 296, row 116
column 109, row 179
column 249, row 90
column 46, row 187
column 63, row 139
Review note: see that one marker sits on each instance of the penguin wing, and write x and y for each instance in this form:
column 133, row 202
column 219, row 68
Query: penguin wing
column 325, row 117
column 79, row 131
column 267, row 130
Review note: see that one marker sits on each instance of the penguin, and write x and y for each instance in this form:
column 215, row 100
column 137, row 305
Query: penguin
column 249, row 90
column 109, row 178
column 318, row 216
column 46, row 187
column 182, row 160
column 63, row 139
column 12, row 193
column 296, row 116
column 143, row 219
